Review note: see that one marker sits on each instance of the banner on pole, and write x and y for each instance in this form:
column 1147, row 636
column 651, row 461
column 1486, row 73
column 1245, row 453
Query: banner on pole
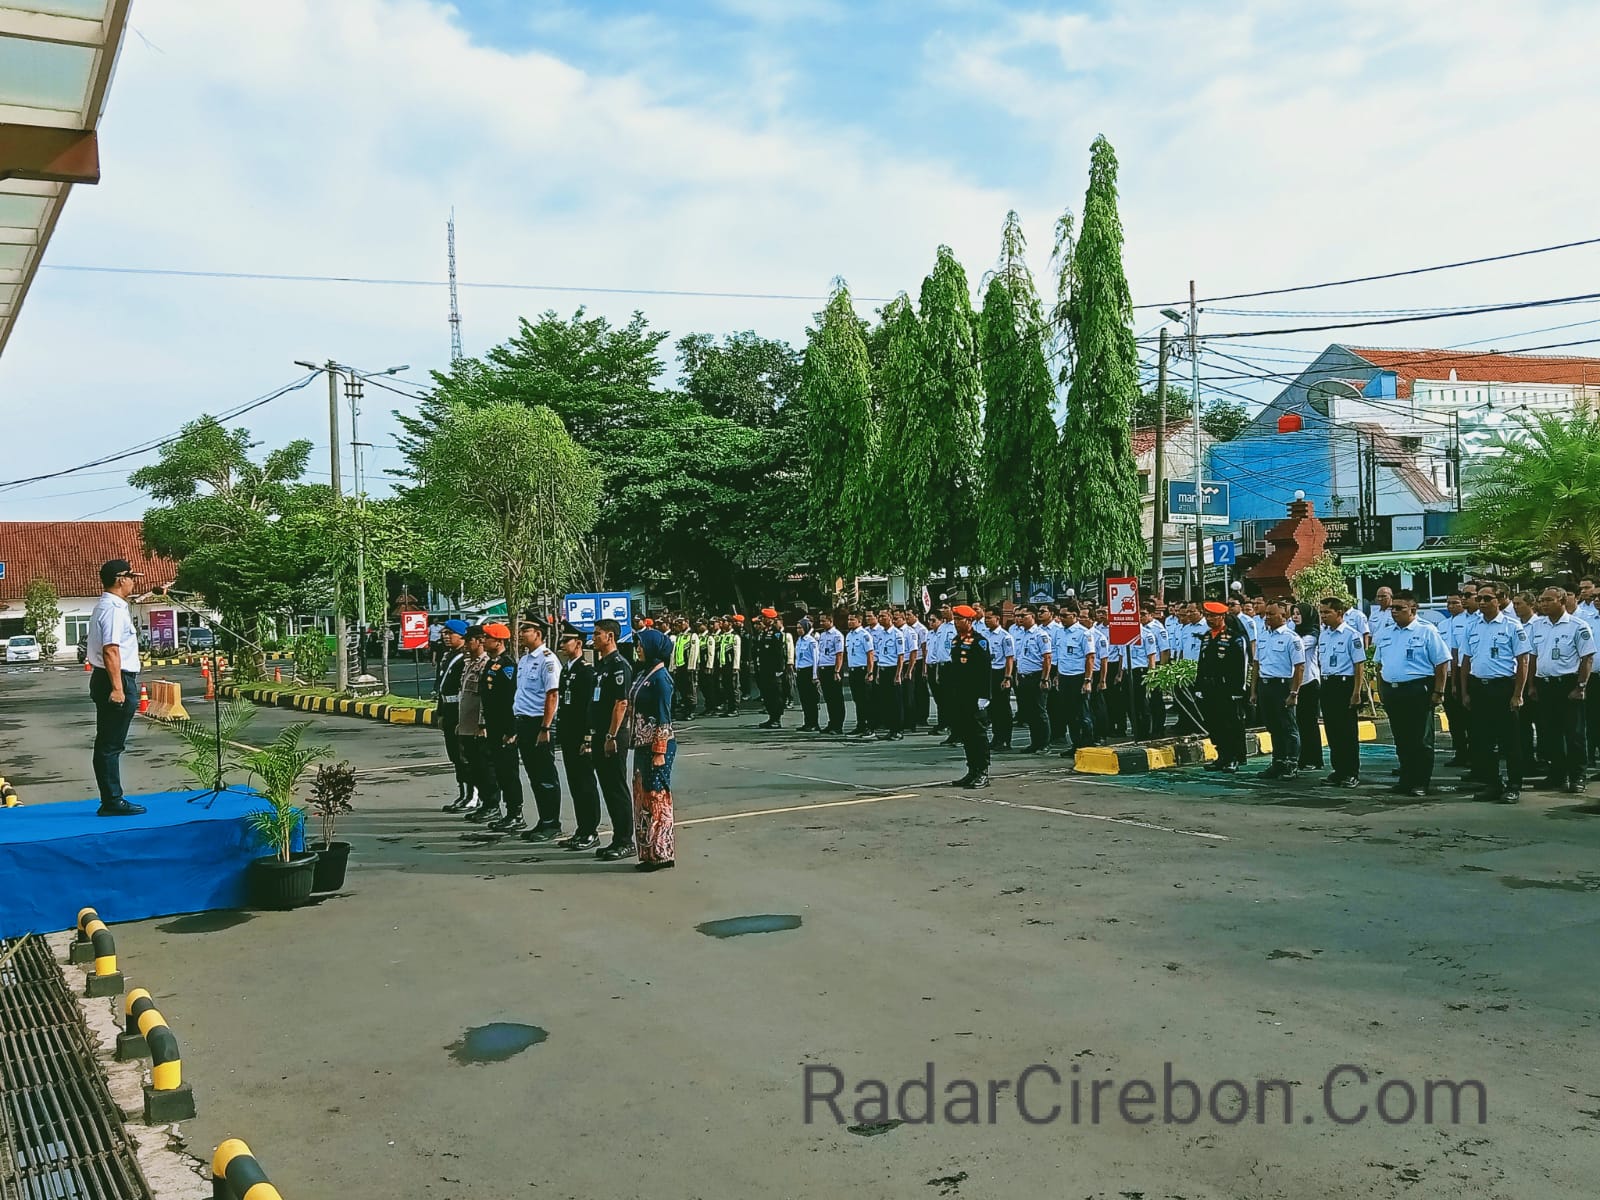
column 1122, row 601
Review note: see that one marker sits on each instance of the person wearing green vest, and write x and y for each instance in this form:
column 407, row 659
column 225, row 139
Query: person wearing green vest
column 685, row 652
column 728, row 656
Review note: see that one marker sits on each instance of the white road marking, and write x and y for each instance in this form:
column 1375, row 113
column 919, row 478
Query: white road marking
column 1068, row 812
column 768, row 812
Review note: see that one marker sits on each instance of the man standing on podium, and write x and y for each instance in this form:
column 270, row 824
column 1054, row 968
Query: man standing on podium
column 113, row 652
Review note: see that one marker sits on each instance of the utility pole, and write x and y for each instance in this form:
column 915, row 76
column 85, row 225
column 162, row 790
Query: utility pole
column 340, row 633
column 1199, row 466
column 1157, row 534
column 352, row 391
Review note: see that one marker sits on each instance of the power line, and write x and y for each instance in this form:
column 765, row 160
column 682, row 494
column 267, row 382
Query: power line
column 1511, row 307
column 1312, row 287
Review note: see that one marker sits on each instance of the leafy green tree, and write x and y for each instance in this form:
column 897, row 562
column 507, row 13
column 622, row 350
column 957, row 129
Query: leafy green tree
column 237, row 527
column 1537, row 493
column 1319, row 578
column 512, row 492
column 747, row 379
column 901, row 468
column 1019, row 433
column 841, row 438
column 1098, row 480
column 1224, row 420
column 42, row 614
column 946, row 417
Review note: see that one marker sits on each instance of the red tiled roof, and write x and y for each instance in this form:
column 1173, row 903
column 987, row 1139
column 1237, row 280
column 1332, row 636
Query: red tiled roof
column 1411, row 365
column 1144, row 437
column 69, row 554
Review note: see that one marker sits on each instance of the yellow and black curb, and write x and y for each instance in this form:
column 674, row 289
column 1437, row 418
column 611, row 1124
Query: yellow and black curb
column 167, row 1098
column 344, row 706
column 236, row 1175
column 198, row 659
column 1179, row 752
column 105, row 979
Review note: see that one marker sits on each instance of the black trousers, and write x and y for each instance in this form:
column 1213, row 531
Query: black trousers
column 1135, row 704
column 967, row 725
column 861, row 697
column 112, row 720
column 507, row 773
column 773, row 693
column 920, row 692
column 1308, row 717
column 708, row 691
column 1076, row 723
column 540, row 763
column 809, row 696
column 1099, row 711
column 1410, row 708
column 1591, row 723
column 1224, row 715
column 936, row 691
column 728, row 688
column 1527, row 722
column 683, row 693
column 1158, row 713
column 1340, row 721
column 1496, row 734
column 481, row 770
column 452, row 745
column 999, row 710
column 1272, row 697
column 1032, row 710
column 611, row 770
column 886, row 702
column 833, row 697
column 581, row 782
column 1460, row 723
column 1562, row 732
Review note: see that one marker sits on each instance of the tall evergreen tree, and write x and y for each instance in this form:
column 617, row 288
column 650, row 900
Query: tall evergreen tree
column 1019, row 433
column 841, row 439
column 1100, row 529
column 946, row 415
column 900, row 473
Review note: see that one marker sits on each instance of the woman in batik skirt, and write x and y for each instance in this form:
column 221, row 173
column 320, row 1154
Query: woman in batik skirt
column 650, row 735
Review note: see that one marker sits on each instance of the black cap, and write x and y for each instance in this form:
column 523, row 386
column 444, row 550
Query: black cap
column 568, row 632
column 474, row 631
column 114, row 570
column 533, row 622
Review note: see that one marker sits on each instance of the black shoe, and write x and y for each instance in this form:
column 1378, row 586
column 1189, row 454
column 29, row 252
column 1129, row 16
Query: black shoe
column 866, row 735
column 1290, row 773
column 1575, row 787
column 616, row 851
column 542, row 833
column 484, row 814
column 510, row 823
column 1416, row 793
column 459, row 804
column 895, row 737
column 119, row 808
column 1231, row 769
column 1351, row 781
column 998, row 747
column 950, row 742
column 1510, row 797
column 1488, row 796
column 964, row 781
column 654, row 866
column 809, row 729
column 1272, row 772
column 937, row 729
column 767, row 725
column 1031, row 750
column 580, row 841
column 980, row 780
column 1213, row 765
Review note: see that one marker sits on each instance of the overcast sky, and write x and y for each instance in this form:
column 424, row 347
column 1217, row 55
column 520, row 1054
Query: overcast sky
column 767, row 146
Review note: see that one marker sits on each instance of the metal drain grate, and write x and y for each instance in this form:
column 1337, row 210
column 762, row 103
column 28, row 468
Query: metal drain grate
column 63, row 1137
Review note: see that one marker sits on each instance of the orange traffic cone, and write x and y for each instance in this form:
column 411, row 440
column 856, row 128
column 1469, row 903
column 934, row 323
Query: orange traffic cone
column 277, row 674
column 211, row 687
column 144, row 698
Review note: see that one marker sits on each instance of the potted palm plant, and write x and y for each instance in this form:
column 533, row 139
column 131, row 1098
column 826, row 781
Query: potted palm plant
column 331, row 789
column 283, row 878
column 211, row 752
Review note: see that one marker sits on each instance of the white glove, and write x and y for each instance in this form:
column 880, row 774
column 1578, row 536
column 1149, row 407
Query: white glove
column 982, row 704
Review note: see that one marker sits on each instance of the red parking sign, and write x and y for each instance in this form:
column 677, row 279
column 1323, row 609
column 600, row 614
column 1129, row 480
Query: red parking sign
column 413, row 630
column 1122, row 599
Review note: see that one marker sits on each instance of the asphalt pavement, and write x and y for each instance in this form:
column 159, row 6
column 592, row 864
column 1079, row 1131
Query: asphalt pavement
column 477, row 1018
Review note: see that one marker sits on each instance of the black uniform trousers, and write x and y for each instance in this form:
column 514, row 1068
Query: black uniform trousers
column 1135, row 704
column 833, row 697
column 936, row 691
column 1527, row 722
column 920, row 692
column 1077, row 725
column 728, row 688
column 581, row 782
column 1340, row 722
column 1496, row 734
column 1562, row 733
column 611, row 770
column 1308, row 717
column 1591, row 724
column 540, row 763
column 482, row 775
column 999, row 710
column 1273, row 704
column 1460, row 722
column 809, row 696
column 683, row 693
column 1224, row 716
column 112, row 720
column 1032, row 710
column 507, row 774
column 1157, row 713
column 1099, row 710
column 708, row 691
column 774, row 685
column 448, row 713
column 861, row 697
column 1410, row 708
column 967, row 726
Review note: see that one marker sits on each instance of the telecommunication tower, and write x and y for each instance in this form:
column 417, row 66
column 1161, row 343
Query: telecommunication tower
column 455, row 310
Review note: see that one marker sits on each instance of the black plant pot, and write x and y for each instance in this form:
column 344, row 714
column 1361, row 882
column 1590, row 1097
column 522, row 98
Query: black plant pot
column 332, row 858
column 273, row 883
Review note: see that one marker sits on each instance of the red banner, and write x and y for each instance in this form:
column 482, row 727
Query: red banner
column 413, row 630
column 1122, row 599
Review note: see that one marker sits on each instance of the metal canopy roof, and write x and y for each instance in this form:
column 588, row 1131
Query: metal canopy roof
column 56, row 59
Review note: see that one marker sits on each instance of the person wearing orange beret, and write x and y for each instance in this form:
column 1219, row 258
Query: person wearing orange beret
column 1220, row 682
column 772, row 667
column 967, row 681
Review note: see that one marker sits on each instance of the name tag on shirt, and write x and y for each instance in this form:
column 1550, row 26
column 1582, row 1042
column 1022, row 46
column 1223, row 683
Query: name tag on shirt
column 597, row 692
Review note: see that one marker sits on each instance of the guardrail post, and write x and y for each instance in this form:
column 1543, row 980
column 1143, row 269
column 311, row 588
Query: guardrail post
column 235, row 1174
column 167, row 1097
column 130, row 1042
column 105, row 980
column 81, row 952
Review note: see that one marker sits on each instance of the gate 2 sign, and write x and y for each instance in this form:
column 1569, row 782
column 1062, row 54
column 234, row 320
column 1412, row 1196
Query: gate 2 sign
column 413, row 630
column 1122, row 599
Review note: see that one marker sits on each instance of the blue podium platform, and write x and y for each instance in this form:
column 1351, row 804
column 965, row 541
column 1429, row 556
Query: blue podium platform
column 179, row 857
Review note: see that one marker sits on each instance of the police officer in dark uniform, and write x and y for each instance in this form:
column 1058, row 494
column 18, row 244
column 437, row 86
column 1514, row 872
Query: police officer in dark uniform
column 573, row 724
column 772, row 668
column 608, row 709
column 447, row 691
column 966, row 682
column 499, row 718
column 1220, row 684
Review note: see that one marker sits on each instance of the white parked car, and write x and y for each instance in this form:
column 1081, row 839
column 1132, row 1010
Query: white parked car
column 22, row 648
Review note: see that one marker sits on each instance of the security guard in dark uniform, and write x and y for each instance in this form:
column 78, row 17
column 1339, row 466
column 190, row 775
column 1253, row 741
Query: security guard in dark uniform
column 966, row 682
column 772, row 668
column 499, row 692
column 573, row 723
column 1220, row 684
column 447, row 691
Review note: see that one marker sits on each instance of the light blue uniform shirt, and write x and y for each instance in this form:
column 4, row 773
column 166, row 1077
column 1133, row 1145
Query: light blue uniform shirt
column 1494, row 647
column 1339, row 650
column 1564, row 645
column 1190, row 638
column 1149, row 646
column 1001, row 647
column 829, row 643
column 857, row 645
column 1032, row 645
column 1162, row 635
column 1279, row 651
column 886, row 644
column 1410, row 653
column 805, row 653
column 1073, row 648
column 538, row 673
column 939, row 641
column 1357, row 620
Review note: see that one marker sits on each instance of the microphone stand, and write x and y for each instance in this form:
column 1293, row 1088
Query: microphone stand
column 216, row 627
